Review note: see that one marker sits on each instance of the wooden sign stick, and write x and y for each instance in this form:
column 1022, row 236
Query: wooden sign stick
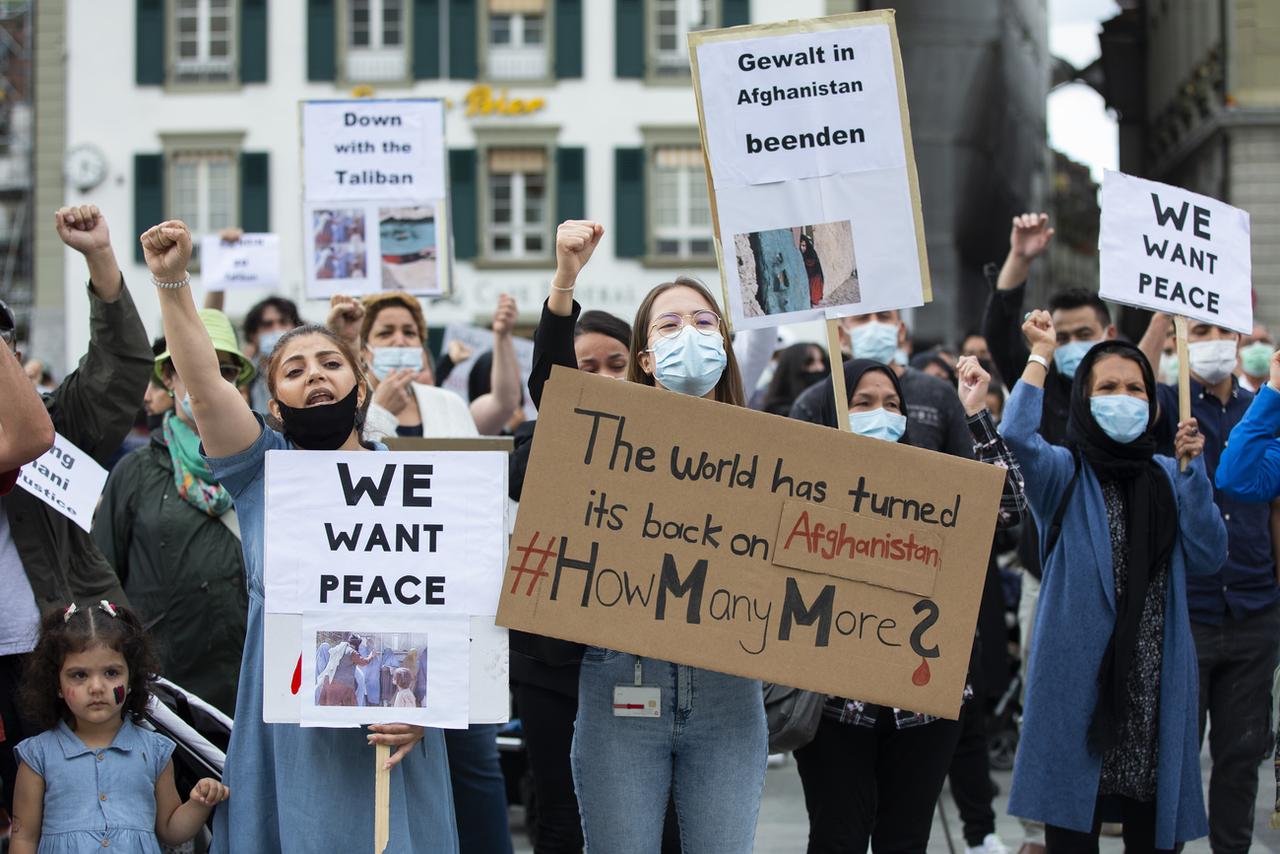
column 1184, row 378
column 381, row 798
column 837, row 373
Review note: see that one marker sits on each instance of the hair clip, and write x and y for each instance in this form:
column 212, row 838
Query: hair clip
column 70, row 611
column 104, row 605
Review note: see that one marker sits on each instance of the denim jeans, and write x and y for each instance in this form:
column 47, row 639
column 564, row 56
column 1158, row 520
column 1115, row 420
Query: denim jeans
column 708, row 749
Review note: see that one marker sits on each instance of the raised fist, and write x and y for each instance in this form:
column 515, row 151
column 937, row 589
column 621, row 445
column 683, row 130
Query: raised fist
column 167, row 249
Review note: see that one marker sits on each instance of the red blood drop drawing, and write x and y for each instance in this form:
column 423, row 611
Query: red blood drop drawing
column 920, row 678
column 296, row 685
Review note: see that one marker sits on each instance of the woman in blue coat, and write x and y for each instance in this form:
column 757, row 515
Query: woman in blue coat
column 1110, row 729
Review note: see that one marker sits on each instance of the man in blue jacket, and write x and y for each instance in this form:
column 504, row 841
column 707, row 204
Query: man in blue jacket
column 1235, row 612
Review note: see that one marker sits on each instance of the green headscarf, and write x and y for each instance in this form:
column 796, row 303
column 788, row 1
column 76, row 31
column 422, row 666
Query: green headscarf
column 191, row 471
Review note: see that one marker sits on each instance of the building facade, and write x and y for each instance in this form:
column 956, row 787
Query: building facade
column 1196, row 87
column 556, row 109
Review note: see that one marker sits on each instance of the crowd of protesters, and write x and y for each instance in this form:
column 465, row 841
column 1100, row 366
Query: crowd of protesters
column 1130, row 605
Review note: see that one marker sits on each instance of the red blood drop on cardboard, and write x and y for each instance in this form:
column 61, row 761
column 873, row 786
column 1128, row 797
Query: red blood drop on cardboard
column 920, row 678
column 296, row 685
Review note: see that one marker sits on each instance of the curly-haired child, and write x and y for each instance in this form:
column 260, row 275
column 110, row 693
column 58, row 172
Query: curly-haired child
column 93, row 779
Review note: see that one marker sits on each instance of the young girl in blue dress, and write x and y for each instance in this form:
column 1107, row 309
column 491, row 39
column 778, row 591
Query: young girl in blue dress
column 92, row 779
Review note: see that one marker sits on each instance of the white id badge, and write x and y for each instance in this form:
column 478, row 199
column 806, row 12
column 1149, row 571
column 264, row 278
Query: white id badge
column 637, row 701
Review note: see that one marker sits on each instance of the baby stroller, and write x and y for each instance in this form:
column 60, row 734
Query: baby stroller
column 201, row 733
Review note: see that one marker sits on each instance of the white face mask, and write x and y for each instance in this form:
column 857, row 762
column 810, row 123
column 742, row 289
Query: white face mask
column 1212, row 361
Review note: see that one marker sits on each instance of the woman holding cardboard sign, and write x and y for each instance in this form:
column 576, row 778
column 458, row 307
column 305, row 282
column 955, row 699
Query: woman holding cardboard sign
column 872, row 774
column 1110, row 731
column 319, row 394
column 704, row 738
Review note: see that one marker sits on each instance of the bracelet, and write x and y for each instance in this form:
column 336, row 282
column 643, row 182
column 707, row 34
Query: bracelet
column 1039, row 360
column 170, row 286
column 567, row 290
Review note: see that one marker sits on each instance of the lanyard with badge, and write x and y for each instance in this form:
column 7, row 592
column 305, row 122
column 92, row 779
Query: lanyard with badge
column 637, row 700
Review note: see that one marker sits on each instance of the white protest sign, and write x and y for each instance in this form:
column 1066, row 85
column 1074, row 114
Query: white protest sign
column 815, row 200
column 375, row 208
column 1168, row 249
column 253, row 261
column 67, row 479
column 402, row 550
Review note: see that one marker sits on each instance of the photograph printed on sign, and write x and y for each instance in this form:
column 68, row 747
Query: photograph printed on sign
column 360, row 669
column 782, row 270
column 408, row 248
column 374, row 669
column 339, row 244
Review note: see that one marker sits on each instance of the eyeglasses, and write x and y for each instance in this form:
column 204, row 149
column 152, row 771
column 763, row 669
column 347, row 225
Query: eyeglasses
column 230, row 371
column 669, row 325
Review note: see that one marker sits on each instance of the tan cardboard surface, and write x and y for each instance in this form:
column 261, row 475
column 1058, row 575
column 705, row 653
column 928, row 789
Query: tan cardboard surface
column 653, row 523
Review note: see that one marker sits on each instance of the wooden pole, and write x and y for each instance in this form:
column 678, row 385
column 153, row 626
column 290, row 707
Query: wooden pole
column 381, row 798
column 837, row 373
column 1184, row 378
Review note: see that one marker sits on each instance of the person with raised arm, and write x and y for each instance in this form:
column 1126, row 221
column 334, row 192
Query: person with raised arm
column 1110, row 730
column 25, row 429
column 318, row 394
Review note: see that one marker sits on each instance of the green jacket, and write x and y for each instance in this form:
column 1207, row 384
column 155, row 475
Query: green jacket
column 94, row 409
column 182, row 569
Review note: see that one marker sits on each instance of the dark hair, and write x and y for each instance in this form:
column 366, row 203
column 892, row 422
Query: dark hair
column 89, row 626
column 287, row 307
column 357, row 367
column 603, row 323
column 790, row 377
column 1081, row 298
column 972, row 333
column 729, row 387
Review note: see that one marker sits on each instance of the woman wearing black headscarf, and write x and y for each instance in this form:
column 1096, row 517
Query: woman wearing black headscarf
column 873, row 774
column 812, row 268
column 798, row 367
column 1110, row 731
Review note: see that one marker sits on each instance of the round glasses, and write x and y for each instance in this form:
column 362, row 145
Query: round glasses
column 230, row 371
column 669, row 325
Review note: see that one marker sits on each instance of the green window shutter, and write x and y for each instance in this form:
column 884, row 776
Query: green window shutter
column 150, row 21
column 735, row 12
column 568, row 40
column 464, row 61
column 571, row 183
column 322, row 40
column 629, row 215
column 253, row 41
column 255, row 191
column 426, row 39
column 462, row 198
column 629, row 38
column 148, row 196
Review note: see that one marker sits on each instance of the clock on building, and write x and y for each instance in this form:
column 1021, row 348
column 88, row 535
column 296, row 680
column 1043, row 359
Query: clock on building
column 85, row 166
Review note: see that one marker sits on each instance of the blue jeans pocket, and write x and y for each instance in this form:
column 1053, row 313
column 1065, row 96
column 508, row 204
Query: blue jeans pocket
column 599, row 655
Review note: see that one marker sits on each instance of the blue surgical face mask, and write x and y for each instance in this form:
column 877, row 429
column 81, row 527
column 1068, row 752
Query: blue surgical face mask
column 1068, row 356
column 690, row 362
column 875, row 341
column 267, row 342
column 387, row 360
column 1122, row 417
column 878, row 424
column 185, row 403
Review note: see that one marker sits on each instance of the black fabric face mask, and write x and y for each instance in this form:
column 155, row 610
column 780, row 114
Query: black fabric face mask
column 320, row 428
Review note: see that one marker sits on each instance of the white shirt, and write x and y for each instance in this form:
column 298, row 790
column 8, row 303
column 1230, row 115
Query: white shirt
column 19, row 616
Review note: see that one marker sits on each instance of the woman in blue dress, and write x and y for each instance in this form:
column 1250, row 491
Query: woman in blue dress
column 283, row 774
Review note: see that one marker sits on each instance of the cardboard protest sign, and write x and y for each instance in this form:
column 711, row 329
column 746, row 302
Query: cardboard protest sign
column 1168, row 249
column 715, row 536
column 253, row 261
column 815, row 202
column 384, row 561
column 67, row 479
column 375, row 197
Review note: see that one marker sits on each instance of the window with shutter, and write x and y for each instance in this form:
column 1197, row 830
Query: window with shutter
column 203, row 42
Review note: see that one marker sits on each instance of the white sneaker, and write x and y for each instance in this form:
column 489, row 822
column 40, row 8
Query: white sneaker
column 990, row 845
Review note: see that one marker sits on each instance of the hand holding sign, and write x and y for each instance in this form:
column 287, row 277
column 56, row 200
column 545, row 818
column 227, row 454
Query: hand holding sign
column 167, row 249
column 402, row 737
column 974, row 383
column 1189, row 442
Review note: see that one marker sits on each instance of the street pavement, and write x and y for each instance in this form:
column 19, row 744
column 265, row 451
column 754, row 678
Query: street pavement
column 783, row 825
